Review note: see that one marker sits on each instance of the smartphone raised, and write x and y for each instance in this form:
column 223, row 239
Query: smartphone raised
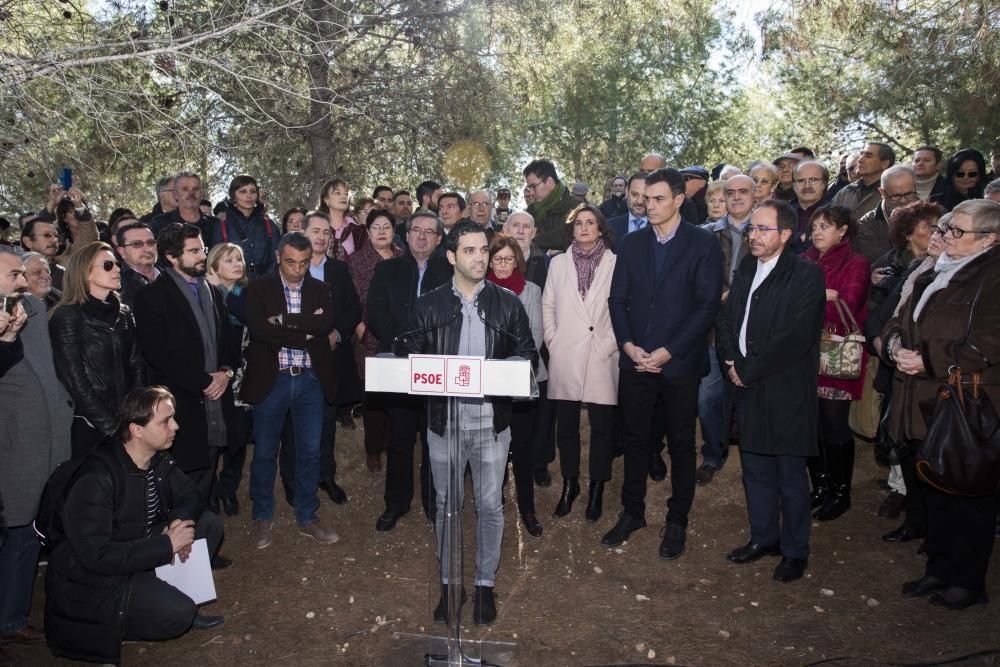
column 66, row 179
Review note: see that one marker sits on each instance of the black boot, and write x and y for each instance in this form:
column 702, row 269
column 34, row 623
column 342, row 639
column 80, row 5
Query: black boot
column 595, row 503
column 838, row 501
column 819, row 476
column 571, row 489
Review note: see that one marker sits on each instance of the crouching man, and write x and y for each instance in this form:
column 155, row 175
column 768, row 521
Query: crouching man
column 127, row 510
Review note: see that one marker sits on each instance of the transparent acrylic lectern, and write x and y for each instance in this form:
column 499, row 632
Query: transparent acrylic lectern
column 453, row 377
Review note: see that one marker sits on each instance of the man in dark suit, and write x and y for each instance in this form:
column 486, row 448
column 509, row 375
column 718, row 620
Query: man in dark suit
column 767, row 336
column 289, row 371
column 664, row 296
column 394, row 289
column 347, row 314
column 178, row 321
column 634, row 218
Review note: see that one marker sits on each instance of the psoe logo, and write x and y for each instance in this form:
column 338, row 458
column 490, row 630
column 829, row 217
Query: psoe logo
column 464, row 377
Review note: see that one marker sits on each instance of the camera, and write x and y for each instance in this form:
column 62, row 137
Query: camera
column 9, row 302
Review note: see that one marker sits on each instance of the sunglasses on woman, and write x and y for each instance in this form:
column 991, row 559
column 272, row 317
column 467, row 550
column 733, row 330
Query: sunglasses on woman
column 108, row 265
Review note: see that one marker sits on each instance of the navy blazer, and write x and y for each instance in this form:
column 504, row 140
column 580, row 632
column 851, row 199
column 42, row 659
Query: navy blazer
column 619, row 225
column 673, row 310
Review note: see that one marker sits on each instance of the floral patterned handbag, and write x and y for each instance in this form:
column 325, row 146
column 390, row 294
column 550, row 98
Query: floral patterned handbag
column 840, row 356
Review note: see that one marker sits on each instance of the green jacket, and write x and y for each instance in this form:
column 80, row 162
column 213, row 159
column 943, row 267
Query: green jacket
column 550, row 218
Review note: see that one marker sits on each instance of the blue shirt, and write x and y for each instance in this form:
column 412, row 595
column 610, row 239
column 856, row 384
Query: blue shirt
column 634, row 223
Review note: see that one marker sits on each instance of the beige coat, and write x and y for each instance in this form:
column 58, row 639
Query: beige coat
column 583, row 353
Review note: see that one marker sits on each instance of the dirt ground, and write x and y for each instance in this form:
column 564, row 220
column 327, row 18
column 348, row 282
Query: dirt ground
column 566, row 600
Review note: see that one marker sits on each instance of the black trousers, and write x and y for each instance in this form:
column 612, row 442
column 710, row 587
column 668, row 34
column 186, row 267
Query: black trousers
column 639, row 392
column 156, row 610
column 235, row 455
column 377, row 422
column 960, row 535
column 409, row 420
column 522, row 452
column 545, row 428
column 327, row 448
column 914, row 502
column 204, row 478
column 84, row 438
column 568, row 439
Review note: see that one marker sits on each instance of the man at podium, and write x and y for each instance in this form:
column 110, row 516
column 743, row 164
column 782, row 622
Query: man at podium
column 471, row 316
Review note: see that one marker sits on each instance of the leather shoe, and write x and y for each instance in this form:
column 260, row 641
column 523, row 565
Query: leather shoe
column 892, row 505
column 29, row 634
column 337, row 494
column 595, row 503
column 570, row 491
column 901, row 534
column 441, row 610
column 543, row 477
column 790, row 569
column 319, row 532
column 387, row 520
column 925, row 586
column 220, row 562
column 484, row 605
column 207, row 622
column 704, row 474
column 674, row 538
column 627, row 524
column 230, row 505
column 531, row 524
column 751, row 552
column 657, row 468
column 957, row 599
column 260, row 533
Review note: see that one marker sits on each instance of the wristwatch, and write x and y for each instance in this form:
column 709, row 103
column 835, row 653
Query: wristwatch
column 228, row 371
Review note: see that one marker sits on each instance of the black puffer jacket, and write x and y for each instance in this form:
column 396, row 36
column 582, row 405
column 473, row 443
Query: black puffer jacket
column 103, row 518
column 436, row 321
column 97, row 357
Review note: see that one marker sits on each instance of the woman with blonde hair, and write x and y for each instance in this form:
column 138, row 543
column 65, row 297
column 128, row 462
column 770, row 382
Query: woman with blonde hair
column 96, row 354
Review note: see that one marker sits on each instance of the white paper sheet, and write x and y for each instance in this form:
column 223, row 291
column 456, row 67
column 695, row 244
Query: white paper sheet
column 193, row 577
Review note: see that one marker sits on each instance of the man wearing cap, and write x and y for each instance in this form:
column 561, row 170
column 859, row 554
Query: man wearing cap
column 580, row 191
column 694, row 209
column 785, row 189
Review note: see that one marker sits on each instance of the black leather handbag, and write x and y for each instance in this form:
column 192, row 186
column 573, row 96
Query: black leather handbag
column 961, row 453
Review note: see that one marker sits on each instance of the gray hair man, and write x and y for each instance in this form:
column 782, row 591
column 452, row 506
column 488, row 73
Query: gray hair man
column 898, row 188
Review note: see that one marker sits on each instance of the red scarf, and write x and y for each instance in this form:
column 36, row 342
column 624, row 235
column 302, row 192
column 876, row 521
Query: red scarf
column 514, row 282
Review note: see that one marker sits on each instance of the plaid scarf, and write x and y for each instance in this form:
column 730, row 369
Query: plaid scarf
column 586, row 262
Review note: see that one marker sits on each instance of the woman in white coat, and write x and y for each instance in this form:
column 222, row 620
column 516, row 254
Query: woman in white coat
column 583, row 354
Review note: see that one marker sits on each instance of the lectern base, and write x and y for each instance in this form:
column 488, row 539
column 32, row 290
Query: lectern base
column 442, row 652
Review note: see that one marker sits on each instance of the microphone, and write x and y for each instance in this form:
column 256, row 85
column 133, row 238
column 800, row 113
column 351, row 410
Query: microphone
column 422, row 330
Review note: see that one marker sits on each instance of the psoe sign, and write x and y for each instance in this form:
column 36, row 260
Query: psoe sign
column 434, row 375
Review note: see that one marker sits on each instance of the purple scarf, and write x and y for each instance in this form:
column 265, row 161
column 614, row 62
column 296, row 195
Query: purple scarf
column 586, row 262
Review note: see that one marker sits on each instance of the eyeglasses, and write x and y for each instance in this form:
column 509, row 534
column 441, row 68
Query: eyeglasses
column 766, row 181
column 504, row 260
column 903, row 196
column 809, row 181
column 532, row 186
column 381, row 228
column 197, row 251
column 48, row 235
column 423, row 232
column 760, row 229
column 481, row 204
column 136, row 245
column 956, row 232
column 967, row 174
column 108, row 265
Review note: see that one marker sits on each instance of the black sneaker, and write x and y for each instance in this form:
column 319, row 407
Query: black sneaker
column 484, row 606
column 674, row 538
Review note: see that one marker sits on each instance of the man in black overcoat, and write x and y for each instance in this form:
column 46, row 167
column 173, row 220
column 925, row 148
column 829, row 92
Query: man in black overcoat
column 767, row 339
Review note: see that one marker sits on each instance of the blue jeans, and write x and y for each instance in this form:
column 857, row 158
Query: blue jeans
column 302, row 396
column 711, row 396
column 18, row 559
column 486, row 455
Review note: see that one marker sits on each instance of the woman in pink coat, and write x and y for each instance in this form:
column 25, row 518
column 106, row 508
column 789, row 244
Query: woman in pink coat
column 583, row 354
column 848, row 276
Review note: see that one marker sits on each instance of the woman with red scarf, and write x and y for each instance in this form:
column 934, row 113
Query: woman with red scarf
column 583, row 353
column 848, row 276
column 507, row 268
column 379, row 246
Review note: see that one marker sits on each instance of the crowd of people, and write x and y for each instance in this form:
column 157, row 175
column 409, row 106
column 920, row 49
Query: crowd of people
column 158, row 348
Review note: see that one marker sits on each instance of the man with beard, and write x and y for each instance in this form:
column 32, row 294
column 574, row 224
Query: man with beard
column 428, row 193
column 616, row 204
column 137, row 248
column 179, row 322
column 634, row 218
column 767, row 339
